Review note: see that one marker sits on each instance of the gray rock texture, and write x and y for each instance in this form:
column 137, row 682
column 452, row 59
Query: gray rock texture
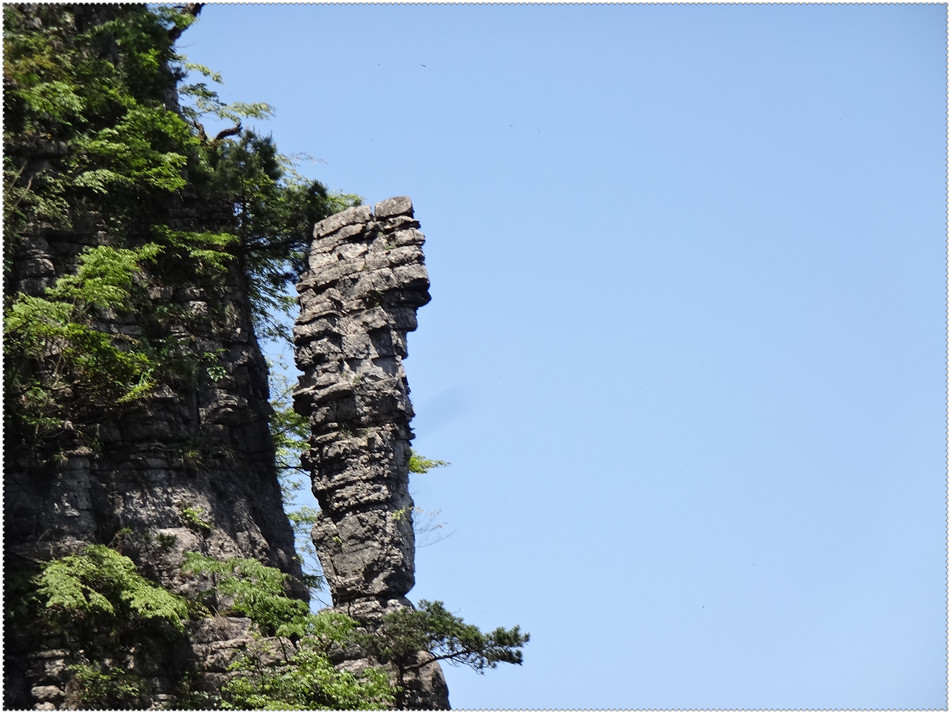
column 200, row 449
column 197, row 447
column 358, row 300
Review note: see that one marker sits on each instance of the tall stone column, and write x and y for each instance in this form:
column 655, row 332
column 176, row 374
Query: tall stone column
column 358, row 300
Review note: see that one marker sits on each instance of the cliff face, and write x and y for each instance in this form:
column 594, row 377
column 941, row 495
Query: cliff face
column 358, row 300
column 190, row 468
column 202, row 446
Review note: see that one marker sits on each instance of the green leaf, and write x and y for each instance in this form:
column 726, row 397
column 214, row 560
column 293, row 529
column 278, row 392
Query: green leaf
column 421, row 464
column 103, row 582
column 54, row 100
column 257, row 590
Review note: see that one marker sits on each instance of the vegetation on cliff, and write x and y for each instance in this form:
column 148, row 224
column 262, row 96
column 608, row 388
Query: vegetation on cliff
column 104, row 141
column 104, row 609
column 95, row 140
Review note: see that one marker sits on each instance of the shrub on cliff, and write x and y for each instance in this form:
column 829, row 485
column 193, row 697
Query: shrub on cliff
column 106, row 614
column 296, row 672
column 289, row 667
column 101, row 587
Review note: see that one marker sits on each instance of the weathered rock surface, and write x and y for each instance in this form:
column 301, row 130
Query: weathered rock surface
column 197, row 450
column 366, row 280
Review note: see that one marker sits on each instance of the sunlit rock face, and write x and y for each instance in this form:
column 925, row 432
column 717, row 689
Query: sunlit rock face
column 189, row 467
column 358, row 300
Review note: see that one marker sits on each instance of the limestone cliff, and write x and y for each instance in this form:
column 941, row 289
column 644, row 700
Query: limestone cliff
column 358, row 300
column 98, row 156
column 195, row 451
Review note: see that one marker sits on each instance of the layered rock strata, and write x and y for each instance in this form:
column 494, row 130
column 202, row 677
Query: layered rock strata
column 358, row 300
column 188, row 468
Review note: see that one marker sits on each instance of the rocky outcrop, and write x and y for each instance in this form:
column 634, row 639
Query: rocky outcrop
column 190, row 467
column 358, row 300
column 190, row 451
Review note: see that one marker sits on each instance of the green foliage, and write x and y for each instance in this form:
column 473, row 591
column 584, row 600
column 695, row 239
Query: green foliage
column 104, row 687
column 207, row 253
column 420, row 464
column 105, row 276
column 196, row 518
column 447, row 637
column 401, row 513
column 289, row 430
column 306, row 680
column 92, row 97
column 272, row 207
column 100, row 590
column 103, row 586
column 205, row 101
column 271, row 210
column 126, row 155
column 87, row 137
column 90, row 137
column 53, row 101
column 56, row 355
column 214, row 369
column 252, row 588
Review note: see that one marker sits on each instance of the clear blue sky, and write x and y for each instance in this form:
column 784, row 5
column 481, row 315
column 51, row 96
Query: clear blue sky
column 686, row 345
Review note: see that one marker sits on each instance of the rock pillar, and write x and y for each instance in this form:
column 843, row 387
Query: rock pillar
column 366, row 279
